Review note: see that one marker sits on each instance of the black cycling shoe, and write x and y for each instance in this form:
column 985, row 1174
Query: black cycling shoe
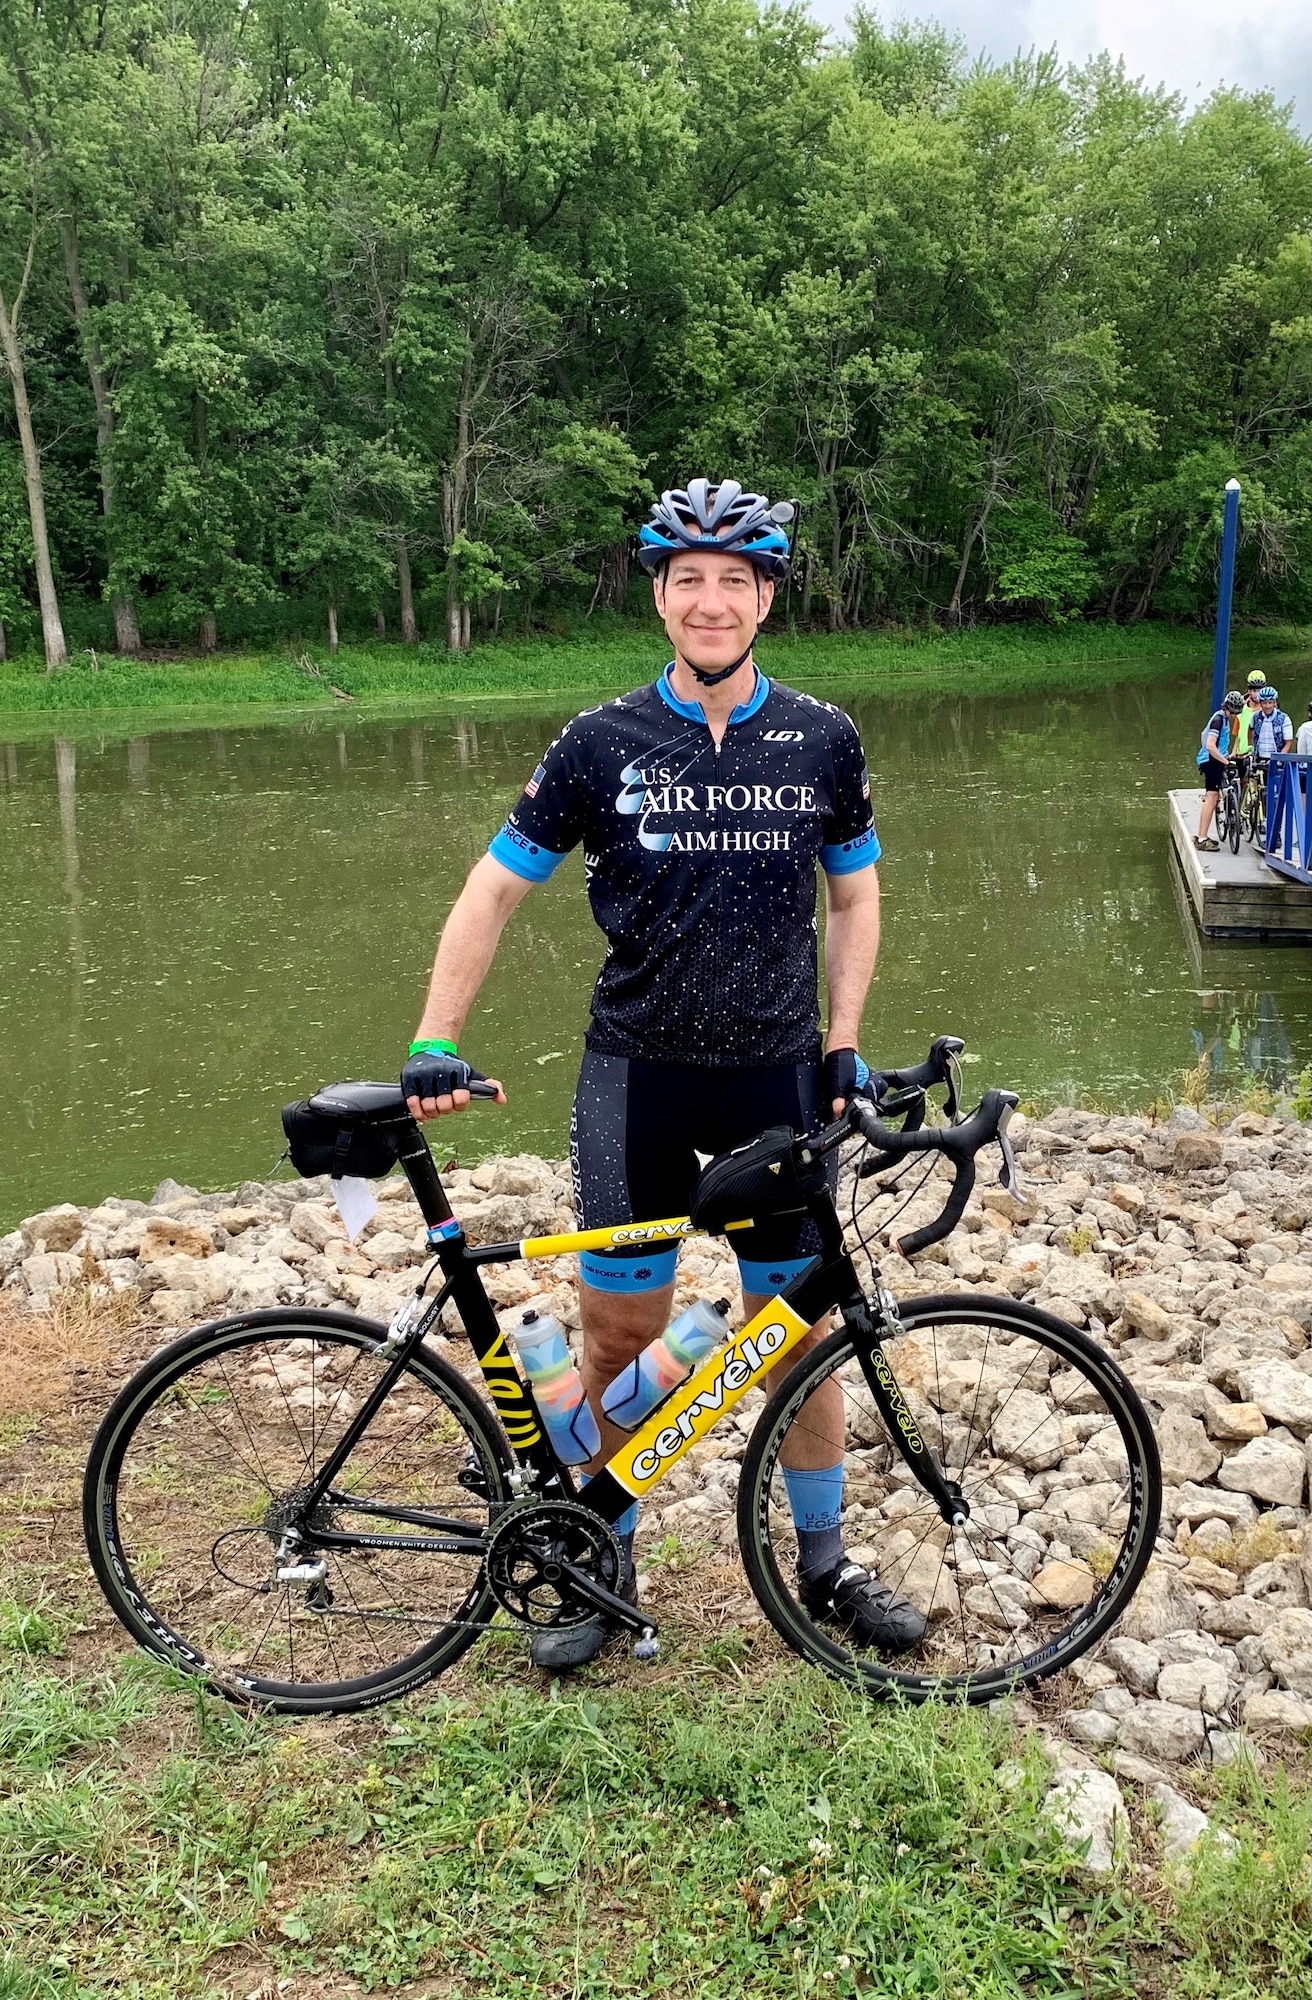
column 559, row 1649
column 864, row 1608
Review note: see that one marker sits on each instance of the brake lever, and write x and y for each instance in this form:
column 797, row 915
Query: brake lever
column 1009, row 1175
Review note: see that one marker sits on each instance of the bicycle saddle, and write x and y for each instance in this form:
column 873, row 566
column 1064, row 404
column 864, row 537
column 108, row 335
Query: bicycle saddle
column 360, row 1103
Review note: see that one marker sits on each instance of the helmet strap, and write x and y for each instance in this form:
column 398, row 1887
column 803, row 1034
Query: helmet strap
column 713, row 680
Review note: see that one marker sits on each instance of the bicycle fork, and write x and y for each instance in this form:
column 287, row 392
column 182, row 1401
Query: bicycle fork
column 869, row 1330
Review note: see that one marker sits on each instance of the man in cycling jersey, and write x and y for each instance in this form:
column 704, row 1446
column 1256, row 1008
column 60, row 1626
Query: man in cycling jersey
column 703, row 803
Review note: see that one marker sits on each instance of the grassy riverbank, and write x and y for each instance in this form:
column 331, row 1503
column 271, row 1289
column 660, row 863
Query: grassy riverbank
column 609, row 656
column 698, row 1832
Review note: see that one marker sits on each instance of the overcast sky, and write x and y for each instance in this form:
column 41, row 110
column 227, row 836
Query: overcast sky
column 1189, row 45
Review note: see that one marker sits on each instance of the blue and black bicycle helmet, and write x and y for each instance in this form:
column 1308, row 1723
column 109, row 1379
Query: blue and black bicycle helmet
column 722, row 518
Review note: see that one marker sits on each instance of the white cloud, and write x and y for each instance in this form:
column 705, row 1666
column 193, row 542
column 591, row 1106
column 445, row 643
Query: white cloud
column 1191, row 46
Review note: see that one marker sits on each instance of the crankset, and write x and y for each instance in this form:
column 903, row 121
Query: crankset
column 554, row 1563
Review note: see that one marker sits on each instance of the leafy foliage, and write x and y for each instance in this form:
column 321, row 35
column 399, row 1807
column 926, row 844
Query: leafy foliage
column 402, row 313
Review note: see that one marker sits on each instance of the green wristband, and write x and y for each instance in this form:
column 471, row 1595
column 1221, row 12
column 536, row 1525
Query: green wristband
column 432, row 1047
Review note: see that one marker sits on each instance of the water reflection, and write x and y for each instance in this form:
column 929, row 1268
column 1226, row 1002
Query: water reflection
column 240, row 915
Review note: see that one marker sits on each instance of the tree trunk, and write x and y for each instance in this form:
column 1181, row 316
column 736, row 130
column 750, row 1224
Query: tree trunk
column 409, row 630
column 332, row 628
column 207, row 636
column 455, row 495
column 807, row 567
column 380, row 622
column 4, row 644
column 454, row 608
column 127, row 633
column 52, row 629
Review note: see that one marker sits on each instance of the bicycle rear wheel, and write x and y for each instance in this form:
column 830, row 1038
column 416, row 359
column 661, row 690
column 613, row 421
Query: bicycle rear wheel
column 1223, row 814
column 201, row 1458
column 1057, row 1463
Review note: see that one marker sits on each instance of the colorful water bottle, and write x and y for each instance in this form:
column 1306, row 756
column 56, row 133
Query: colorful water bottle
column 557, row 1387
column 637, row 1389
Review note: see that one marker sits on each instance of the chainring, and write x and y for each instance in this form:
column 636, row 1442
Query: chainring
column 526, row 1552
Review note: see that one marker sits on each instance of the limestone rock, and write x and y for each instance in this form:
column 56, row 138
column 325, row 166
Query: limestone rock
column 1236, row 1618
column 1184, row 1825
column 1161, row 1604
column 1088, row 1808
column 1027, row 1432
column 1282, row 1393
column 167, row 1236
column 1273, row 1710
column 1234, row 1423
column 1192, row 1152
column 1194, row 1684
column 1145, row 1317
column 46, row 1271
column 316, row 1225
column 1192, row 1502
column 1268, row 1470
column 1200, row 1574
column 54, row 1229
column 1137, row 1664
column 1063, row 1586
column 1163, row 1730
column 1092, row 1726
column 1187, row 1451
column 1286, row 1646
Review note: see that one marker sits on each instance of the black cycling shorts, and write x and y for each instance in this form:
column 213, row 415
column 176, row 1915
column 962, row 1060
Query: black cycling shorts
column 635, row 1133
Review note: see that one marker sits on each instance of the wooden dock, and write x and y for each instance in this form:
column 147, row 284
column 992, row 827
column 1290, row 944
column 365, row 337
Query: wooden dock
column 1235, row 895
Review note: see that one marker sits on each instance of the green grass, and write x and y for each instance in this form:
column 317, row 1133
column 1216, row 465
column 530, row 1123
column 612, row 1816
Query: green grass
column 608, row 656
column 696, row 1834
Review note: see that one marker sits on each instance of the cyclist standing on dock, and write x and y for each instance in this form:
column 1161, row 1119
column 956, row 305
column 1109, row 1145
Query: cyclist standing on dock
column 1212, row 760
column 703, row 802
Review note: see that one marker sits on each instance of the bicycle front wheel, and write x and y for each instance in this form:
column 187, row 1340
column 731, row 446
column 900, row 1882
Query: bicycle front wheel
column 1223, row 814
column 200, row 1462
column 1056, row 1461
column 1232, row 825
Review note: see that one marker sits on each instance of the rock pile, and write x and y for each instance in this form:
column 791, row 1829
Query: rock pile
column 1183, row 1247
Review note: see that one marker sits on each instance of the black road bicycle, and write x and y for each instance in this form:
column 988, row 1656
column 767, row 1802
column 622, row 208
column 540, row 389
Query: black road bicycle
column 317, row 1512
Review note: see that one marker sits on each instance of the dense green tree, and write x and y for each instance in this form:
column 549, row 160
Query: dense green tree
column 381, row 311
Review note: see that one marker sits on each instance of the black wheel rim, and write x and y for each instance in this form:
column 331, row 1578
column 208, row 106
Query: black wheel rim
column 974, row 1647
column 197, row 1470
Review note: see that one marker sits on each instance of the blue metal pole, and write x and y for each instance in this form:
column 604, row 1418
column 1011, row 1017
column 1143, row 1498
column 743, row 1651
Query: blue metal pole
column 1229, row 536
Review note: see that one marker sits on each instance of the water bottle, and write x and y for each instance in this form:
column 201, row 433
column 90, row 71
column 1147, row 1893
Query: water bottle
column 637, row 1389
column 557, row 1388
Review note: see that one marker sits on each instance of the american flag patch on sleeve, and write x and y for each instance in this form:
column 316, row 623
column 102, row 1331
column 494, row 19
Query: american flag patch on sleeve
column 531, row 788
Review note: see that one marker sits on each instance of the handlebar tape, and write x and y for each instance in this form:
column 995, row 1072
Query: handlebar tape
column 959, row 1142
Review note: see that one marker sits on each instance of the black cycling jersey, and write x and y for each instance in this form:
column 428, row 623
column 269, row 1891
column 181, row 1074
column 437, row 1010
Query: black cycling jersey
column 700, row 864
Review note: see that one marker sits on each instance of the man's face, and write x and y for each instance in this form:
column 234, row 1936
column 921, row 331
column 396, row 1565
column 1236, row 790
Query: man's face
column 1268, row 707
column 711, row 606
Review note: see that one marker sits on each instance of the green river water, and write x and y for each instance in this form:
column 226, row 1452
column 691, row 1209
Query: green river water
column 196, row 925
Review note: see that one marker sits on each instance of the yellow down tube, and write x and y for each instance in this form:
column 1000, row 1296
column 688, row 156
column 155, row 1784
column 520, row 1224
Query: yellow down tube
column 625, row 1236
column 717, row 1385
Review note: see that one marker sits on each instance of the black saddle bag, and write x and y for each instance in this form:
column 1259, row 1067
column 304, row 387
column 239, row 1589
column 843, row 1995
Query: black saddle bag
column 322, row 1144
column 757, row 1180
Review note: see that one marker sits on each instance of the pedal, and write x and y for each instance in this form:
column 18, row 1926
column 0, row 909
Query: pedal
column 647, row 1645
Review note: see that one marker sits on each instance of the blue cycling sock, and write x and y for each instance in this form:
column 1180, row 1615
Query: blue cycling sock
column 816, row 1503
column 624, row 1528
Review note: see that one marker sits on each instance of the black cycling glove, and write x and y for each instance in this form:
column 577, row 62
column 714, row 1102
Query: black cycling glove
column 431, row 1073
column 844, row 1074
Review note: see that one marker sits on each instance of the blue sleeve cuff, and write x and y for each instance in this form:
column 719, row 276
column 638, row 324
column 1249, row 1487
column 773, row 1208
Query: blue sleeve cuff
column 845, row 857
column 522, row 856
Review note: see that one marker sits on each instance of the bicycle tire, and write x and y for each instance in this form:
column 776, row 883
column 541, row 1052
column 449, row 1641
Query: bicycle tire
column 764, row 1529
column 1221, row 823
column 147, row 1530
column 1233, row 828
